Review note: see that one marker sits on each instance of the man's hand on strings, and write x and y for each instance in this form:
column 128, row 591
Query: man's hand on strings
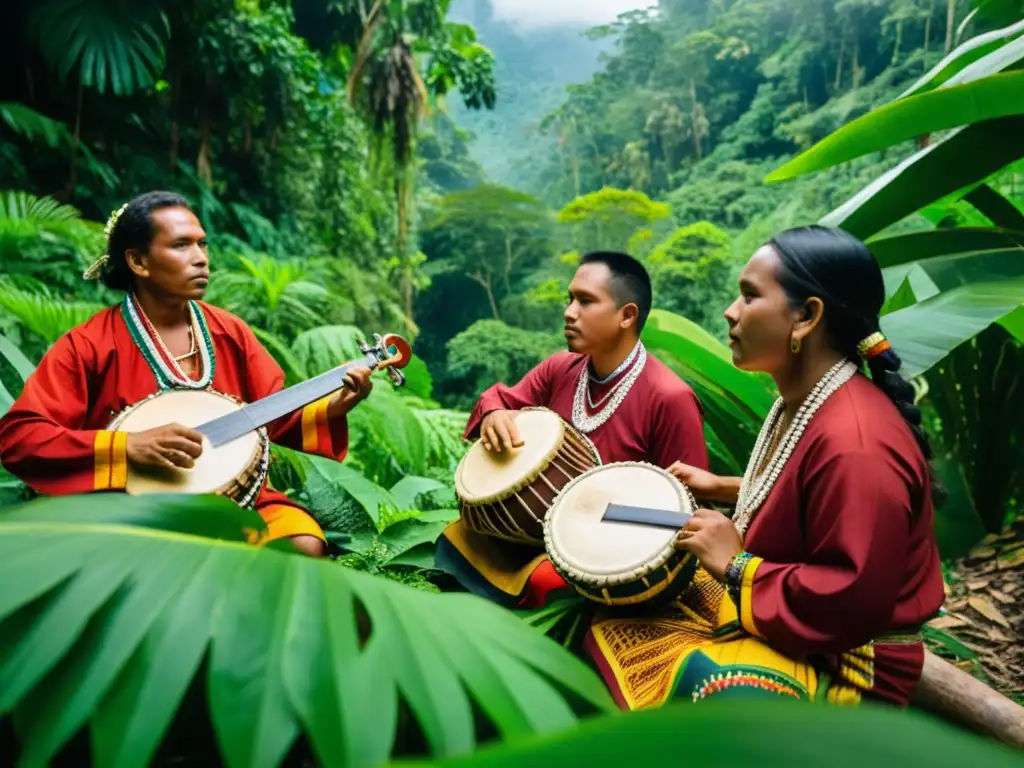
column 357, row 386
column 171, row 446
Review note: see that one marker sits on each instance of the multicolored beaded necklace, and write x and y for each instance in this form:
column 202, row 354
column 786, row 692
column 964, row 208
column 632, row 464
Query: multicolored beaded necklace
column 166, row 370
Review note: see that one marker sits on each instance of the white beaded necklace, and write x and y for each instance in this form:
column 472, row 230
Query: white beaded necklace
column 585, row 422
column 754, row 489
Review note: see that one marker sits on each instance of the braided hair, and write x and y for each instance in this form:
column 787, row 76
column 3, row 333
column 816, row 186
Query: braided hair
column 130, row 228
column 840, row 270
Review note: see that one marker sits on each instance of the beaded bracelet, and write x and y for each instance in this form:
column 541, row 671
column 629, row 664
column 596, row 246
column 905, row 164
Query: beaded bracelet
column 734, row 575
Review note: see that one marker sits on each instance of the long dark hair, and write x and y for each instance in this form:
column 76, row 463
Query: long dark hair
column 840, row 270
column 134, row 230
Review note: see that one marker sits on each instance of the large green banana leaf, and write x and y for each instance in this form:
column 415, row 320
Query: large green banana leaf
column 963, row 56
column 742, row 732
column 956, row 164
column 735, row 402
column 936, row 243
column 22, row 367
column 976, row 392
column 113, row 606
column 926, row 332
column 990, row 98
column 996, row 208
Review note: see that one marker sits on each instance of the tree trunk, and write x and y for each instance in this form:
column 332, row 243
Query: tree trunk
column 694, row 117
column 839, row 63
column 73, row 170
column 485, row 283
column 203, row 167
column 950, row 23
column 896, row 47
column 856, row 63
column 927, row 35
column 175, row 144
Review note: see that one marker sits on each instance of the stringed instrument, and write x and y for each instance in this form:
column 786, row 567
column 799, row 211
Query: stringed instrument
column 236, row 449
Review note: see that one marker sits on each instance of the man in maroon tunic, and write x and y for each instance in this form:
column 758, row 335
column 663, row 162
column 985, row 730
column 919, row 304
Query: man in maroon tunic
column 629, row 404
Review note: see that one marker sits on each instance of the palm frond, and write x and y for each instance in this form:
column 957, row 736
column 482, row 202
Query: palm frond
column 116, row 46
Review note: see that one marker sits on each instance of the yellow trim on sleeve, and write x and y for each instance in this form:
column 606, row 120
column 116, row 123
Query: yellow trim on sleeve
column 119, row 461
column 314, row 416
column 747, row 595
column 101, row 451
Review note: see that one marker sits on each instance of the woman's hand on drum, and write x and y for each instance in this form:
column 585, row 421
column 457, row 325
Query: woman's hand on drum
column 498, row 430
column 713, row 539
column 171, row 446
column 706, row 485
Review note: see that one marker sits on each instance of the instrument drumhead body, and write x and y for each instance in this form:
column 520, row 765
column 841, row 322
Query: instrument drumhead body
column 615, row 563
column 236, row 469
column 507, row 494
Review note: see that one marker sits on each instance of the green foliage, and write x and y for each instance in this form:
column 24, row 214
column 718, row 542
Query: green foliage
column 608, row 218
column 490, row 234
column 775, row 734
column 45, row 240
column 735, row 403
column 109, row 44
column 690, row 272
column 971, row 391
column 108, row 626
column 490, row 351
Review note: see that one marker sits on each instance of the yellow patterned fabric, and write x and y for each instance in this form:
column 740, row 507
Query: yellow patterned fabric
column 697, row 648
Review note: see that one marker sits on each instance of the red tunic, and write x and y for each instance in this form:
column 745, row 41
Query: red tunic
column 845, row 545
column 55, row 439
column 660, row 421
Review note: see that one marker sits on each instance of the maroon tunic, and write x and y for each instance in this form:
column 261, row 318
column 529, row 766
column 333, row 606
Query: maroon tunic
column 660, row 421
column 845, row 544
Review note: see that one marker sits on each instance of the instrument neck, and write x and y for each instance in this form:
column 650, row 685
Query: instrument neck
column 255, row 415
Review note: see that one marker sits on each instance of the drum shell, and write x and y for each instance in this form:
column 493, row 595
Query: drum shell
column 668, row 572
column 517, row 515
column 659, row 587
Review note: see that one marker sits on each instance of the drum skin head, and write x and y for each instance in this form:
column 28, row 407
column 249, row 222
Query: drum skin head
column 611, row 552
column 214, row 469
column 483, row 476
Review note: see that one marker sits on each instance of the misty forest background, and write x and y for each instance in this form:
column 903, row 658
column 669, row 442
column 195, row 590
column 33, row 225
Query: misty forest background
column 426, row 168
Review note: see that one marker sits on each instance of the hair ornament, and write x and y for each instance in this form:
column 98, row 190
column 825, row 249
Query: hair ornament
column 873, row 345
column 94, row 270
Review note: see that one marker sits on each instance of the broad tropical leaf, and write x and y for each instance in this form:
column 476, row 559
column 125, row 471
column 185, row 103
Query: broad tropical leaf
column 32, row 124
column 949, row 107
column 976, row 393
column 47, row 317
column 935, row 243
column 109, row 624
column 973, row 50
column 327, row 346
column 294, row 369
column 735, row 403
column 955, row 165
column 926, row 332
column 996, row 208
column 344, row 481
column 774, row 734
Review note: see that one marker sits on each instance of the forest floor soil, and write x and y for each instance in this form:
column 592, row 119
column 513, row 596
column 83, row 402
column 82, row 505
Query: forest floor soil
column 982, row 629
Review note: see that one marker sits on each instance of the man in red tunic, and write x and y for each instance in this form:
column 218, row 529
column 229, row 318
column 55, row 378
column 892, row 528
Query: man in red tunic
column 629, row 404
column 55, row 436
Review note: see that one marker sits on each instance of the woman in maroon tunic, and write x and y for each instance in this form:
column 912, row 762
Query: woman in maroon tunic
column 819, row 585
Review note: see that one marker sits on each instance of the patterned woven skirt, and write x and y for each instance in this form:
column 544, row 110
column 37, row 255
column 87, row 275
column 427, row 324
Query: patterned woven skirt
column 696, row 649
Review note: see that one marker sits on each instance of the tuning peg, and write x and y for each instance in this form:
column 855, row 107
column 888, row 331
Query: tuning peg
column 397, row 377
